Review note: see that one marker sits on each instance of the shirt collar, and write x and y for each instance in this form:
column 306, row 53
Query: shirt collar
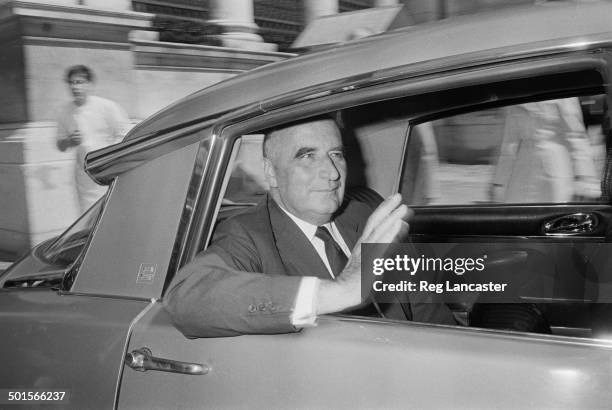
column 306, row 227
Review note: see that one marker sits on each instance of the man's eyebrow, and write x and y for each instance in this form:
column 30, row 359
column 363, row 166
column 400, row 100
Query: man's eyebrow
column 304, row 150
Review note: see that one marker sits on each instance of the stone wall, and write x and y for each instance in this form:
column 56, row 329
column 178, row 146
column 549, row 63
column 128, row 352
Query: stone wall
column 164, row 72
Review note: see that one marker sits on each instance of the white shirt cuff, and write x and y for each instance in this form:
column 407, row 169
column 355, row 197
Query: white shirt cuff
column 304, row 313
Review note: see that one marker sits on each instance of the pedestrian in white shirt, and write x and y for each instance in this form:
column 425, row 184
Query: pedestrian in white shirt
column 85, row 124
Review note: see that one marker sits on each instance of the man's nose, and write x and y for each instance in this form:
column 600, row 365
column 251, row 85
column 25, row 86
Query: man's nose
column 330, row 170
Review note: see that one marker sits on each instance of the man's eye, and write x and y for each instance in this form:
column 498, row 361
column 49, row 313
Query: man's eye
column 337, row 155
column 307, row 155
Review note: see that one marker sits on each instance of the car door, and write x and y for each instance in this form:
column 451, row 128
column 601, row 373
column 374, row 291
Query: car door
column 70, row 344
column 370, row 362
column 363, row 363
column 68, row 308
column 57, row 342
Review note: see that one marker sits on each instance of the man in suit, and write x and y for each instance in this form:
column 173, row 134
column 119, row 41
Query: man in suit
column 296, row 255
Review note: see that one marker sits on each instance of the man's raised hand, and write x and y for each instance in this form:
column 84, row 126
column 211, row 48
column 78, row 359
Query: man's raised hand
column 387, row 224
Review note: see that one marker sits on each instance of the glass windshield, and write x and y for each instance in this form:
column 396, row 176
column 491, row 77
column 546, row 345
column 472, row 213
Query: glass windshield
column 66, row 248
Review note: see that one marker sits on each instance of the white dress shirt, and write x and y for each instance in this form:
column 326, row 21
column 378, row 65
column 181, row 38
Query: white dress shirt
column 304, row 313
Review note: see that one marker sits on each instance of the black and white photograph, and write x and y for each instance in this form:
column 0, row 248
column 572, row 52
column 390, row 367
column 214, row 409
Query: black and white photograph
column 306, row 204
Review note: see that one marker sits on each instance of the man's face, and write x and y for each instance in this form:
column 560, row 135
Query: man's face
column 80, row 87
column 306, row 170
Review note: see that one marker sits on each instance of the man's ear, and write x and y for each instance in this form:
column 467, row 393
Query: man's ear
column 270, row 173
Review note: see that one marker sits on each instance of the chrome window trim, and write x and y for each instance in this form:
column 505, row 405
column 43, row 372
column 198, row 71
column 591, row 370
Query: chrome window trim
column 244, row 122
column 443, row 67
column 204, row 157
column 104, row 164
column 206, row 203
column 600, row 343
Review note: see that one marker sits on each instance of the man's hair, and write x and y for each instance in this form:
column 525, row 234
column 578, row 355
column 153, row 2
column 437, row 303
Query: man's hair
column 268, row 133
column 79, row 70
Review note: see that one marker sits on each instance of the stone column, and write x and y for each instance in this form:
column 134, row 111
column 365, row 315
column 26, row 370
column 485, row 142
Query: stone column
column 235, row 24
column 313, row 9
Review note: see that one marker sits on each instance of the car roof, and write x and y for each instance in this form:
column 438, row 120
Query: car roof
column 565, row 23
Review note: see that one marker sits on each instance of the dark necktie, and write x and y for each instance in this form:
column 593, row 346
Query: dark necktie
column 337, row 261
column 336, row 258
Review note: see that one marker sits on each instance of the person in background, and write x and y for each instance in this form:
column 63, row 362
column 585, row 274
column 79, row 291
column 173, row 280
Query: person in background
column 87, row 123
column 545, row 155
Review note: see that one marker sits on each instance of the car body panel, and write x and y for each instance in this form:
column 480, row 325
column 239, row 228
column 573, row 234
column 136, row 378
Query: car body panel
column 360, row 363
column 133, row 244
column 55, row 341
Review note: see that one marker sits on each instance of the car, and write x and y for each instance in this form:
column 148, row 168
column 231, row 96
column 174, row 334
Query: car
column 470, row 118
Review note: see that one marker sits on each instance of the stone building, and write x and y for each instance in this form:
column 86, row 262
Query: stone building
column 277, row 21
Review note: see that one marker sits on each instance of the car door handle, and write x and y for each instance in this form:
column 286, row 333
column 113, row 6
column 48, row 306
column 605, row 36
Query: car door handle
column 142, row 360
column 574, row 224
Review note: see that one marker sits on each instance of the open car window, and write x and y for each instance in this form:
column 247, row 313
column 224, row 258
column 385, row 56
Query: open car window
column 549, row 151
column 246, row 184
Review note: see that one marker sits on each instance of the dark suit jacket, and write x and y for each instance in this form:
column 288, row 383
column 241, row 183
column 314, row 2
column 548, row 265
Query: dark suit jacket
column 248, row 278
